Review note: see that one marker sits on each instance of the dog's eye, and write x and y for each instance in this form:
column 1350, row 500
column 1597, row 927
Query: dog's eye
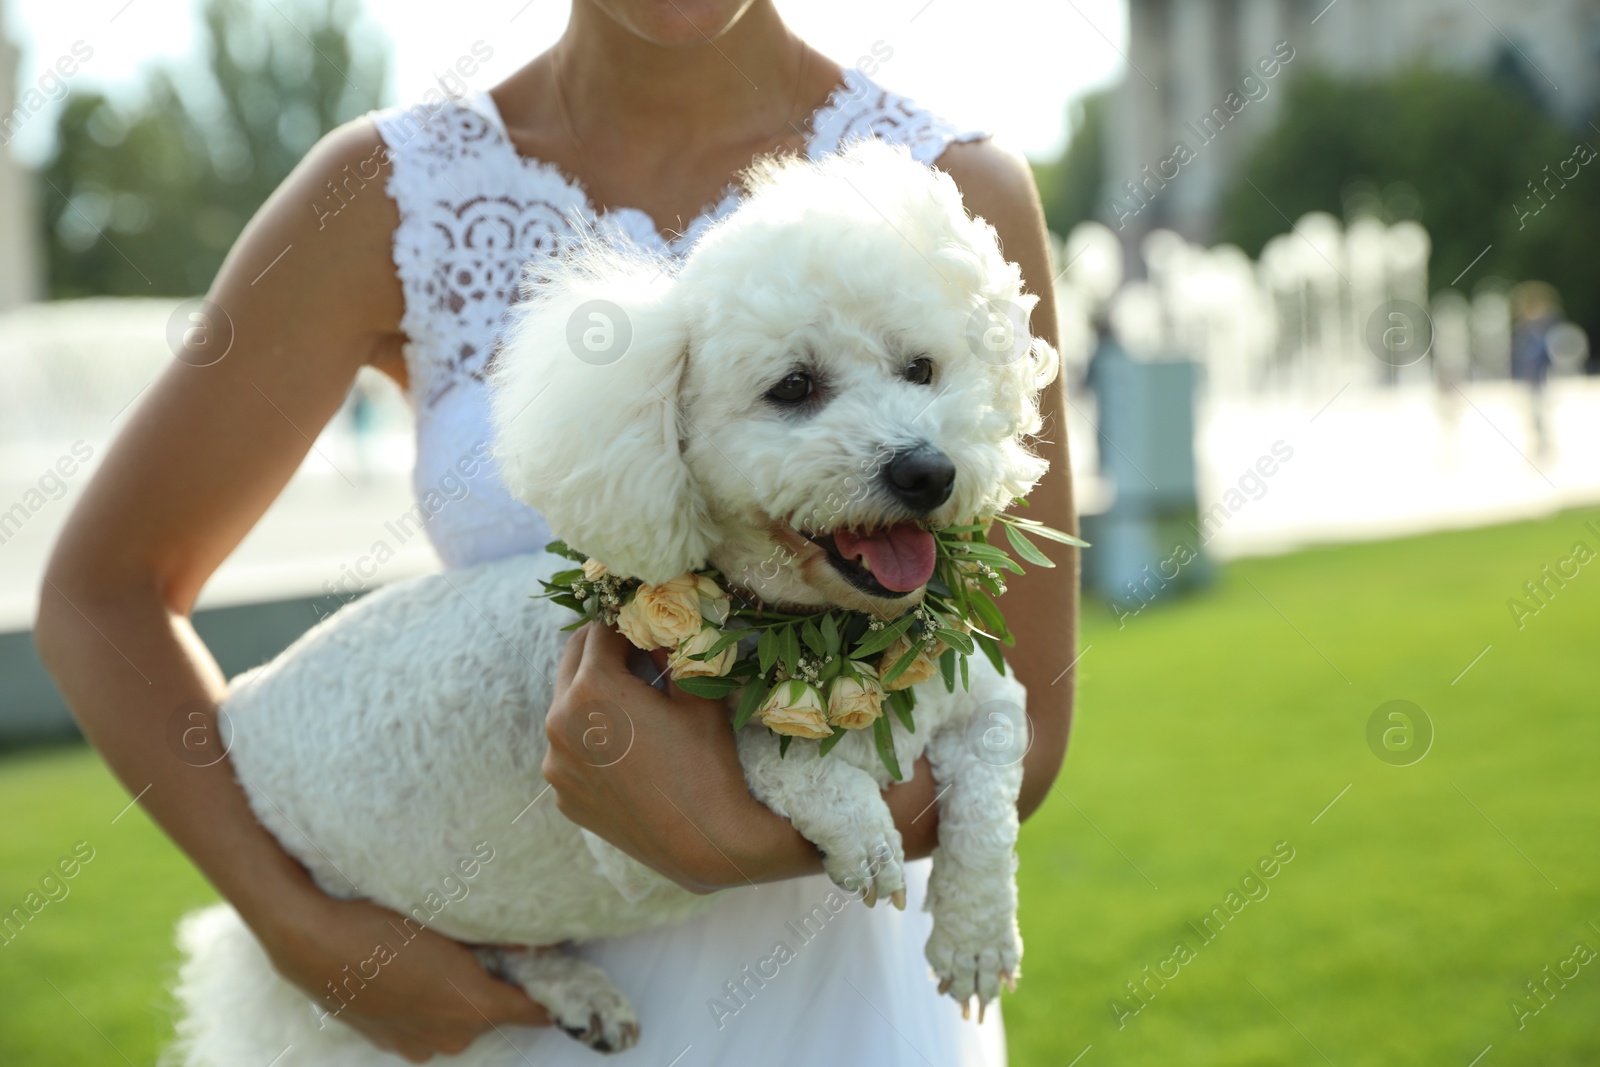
column 919, row 371
column 794, row 388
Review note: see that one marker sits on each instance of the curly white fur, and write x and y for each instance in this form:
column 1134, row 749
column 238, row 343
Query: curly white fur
column 395, row 749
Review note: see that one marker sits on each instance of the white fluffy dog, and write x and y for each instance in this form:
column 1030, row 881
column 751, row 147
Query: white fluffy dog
column 816, row 382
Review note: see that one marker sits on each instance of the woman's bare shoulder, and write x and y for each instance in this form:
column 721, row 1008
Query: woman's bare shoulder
column 333, row 223
column 997, row 185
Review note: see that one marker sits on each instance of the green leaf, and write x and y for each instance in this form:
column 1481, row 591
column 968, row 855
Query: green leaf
column 783, row 745
column 812, row 636
column 562, row 549
column 991, row 650
column 885, row 745
column 789, row 648
column 767, row 649
column 988, row 584
column 882, row 639
column 830, row 634
column 1026, row 548
column 994, row 557
column 710, row 688
column 955, row 639
column 565, row 578
column 828, row 742
column 966, row 685
column 989, row 614
column 754, row 693
column 947, row 668
column 1039, row 529
column 728, row 637
column 902, row 702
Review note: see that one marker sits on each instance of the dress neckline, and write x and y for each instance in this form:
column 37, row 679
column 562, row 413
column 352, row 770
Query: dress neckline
column 636, row 222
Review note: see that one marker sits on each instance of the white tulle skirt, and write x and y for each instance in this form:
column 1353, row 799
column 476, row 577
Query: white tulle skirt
column 792, row 973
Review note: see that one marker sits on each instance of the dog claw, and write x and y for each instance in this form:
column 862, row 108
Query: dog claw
column 982, row 1004
column 966, row 1009
column 870, row 897
column 944, row 985
column 898, row 899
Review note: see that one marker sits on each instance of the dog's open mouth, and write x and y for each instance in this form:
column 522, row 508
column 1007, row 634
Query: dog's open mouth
column 889, row 563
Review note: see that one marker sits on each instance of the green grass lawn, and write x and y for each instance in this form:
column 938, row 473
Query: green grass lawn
column 1414, row 909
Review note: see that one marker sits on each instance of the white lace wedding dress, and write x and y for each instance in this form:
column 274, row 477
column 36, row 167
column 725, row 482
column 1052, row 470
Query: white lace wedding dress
column 775, row 974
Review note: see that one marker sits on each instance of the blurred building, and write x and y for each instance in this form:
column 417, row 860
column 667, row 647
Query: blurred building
column 1187, row 56
column 20, row 276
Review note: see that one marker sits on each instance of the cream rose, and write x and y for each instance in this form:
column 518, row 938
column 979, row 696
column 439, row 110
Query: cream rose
column 659, row 616
column 593, row 570
column 922, row 668
column 854, row 703
column 682, row 666
column 714, row 602
column 795, row 708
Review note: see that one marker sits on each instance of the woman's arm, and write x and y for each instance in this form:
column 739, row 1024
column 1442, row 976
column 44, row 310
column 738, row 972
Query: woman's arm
column 198, row 462
column 1041, row 607
column 678, row 802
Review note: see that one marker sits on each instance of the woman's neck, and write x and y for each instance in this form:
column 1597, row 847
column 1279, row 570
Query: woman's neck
column 745, row 83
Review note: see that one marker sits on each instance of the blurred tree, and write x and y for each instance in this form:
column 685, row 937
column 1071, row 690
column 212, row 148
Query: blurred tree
column 146, row 198
column 1070, row 185
column 1473, row 150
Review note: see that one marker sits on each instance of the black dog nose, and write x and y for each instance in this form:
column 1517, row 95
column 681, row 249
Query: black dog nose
column 920, row 477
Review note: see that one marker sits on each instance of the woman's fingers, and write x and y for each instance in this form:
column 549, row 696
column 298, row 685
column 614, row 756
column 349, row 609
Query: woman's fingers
column 604, row 648
column 510, row 1005
column 572, row 656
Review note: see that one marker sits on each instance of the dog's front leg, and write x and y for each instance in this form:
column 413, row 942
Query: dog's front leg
column 975, row 946
column 836, row 806
column 579, row 996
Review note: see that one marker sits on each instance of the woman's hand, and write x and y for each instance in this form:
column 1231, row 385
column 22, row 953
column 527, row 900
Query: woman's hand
column 657, row 775
column 407, row 990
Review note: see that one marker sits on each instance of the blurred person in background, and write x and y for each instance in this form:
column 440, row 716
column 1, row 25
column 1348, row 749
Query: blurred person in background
column 640, row 115
column 1535, row 310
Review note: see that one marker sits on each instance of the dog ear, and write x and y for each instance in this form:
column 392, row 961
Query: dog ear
column 585, row 405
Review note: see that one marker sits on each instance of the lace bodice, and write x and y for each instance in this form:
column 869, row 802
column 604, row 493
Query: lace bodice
column 472, row 212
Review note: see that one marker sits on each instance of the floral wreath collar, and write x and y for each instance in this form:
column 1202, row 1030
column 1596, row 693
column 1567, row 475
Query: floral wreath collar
column 823, row 673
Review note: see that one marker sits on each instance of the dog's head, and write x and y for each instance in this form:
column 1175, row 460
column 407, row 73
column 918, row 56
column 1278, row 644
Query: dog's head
column 838, row 367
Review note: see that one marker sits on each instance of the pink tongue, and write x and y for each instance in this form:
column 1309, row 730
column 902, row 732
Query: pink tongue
column 901, row 557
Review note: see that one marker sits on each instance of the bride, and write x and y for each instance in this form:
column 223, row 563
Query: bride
column 637, row 122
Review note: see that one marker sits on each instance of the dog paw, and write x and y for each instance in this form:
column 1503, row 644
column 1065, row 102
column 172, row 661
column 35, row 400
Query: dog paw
column 977, row 967
column 975, row 948
column 579, row 996
column 869, row 863
column 600, row 1018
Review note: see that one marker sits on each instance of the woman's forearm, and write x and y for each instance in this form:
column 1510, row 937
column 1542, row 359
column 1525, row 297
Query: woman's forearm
column 1042, row 611
column 142, row 687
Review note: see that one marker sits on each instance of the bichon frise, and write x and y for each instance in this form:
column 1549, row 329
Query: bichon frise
column 796, row 404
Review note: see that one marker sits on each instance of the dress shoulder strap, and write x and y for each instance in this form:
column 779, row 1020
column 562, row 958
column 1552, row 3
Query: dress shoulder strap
column 862, row 108
column 472, row 211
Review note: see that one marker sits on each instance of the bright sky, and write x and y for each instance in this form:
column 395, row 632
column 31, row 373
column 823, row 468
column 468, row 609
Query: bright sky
column 1011, row 70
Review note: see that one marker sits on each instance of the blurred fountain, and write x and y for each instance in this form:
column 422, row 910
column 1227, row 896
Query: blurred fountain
column 1299, row 323
column 1452, row 337
column 1491, row 330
